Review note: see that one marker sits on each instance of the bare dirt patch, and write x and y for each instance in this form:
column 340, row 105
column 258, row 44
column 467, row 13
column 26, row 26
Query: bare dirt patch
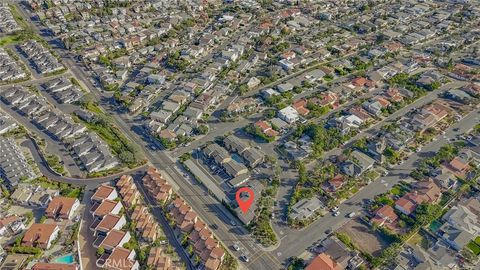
column 363, row 237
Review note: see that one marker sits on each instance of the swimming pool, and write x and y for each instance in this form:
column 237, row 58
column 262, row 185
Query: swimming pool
column 65, row 259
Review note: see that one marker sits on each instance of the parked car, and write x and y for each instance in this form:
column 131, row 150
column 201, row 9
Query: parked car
column 236, row 247
column 335, row 214
column 233, row 223
column 244, row 258
column 351, row 215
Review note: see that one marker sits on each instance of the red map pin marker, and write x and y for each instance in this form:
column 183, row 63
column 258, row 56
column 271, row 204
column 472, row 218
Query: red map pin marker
column 244, row 204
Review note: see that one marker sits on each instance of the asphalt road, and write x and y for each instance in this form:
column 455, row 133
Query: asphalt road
column 86, row 237
column 90, row 183
column 54, row 146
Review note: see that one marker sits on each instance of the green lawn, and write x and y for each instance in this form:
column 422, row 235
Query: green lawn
column 477, row 240
column 7, row 40
column 474, row 247
column 396, row 191
column 65, row 189
column 126, row 151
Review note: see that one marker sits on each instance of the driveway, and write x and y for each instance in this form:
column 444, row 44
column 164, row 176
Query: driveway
column 86, row 237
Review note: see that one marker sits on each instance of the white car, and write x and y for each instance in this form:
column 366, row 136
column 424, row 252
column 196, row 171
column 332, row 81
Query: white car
column 236, row 247
column 352, row 214
column 245, row 258
column 336, row 213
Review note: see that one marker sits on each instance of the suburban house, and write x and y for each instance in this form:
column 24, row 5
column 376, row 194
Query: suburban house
column 445, row 178
column 361, row 83
column 323, row 262
column 357, row 164
column 62, row 207
column 423, row 192
column 334, row 183
column 456, row 238
column 459, row 166
column 393, row 95
column 107, row 223
column 40, row 235
column 11, row 225
column 385, row 215
column 461, row 223
column 104, row 192
column 429, row 116
column 114, row 238
column 328, row 98
column 106, row 207
column 266, row 128
column 159, row 260
column 128, row 191
column 289, row 115
column 376, row 147
column 408, row 203
column 157, row 186
column 305, row 208
column 300, row 106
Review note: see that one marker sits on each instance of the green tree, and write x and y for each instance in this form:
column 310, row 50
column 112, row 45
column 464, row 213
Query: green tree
column 100, row 251
column 302, row 173
column 42, row 219
column 202, row 129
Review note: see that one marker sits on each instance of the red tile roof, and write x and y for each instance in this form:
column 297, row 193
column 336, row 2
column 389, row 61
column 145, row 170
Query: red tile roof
column 103, row 192
column 108, row 222
column 406, row 204
column 323, row 262
column 106, row 207
column 387, row 212
column 60, row 206
column 360, row 81
column 39, row 234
